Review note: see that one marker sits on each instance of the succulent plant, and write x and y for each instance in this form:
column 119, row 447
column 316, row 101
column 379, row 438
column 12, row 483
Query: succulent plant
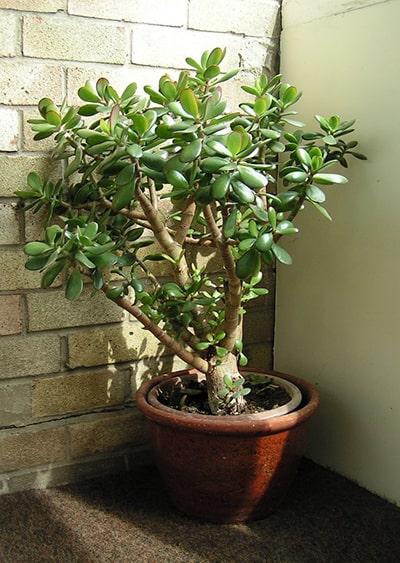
column 151, row 182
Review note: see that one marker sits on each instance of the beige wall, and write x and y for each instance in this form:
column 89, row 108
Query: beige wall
column 338, row 306
column 69, row 371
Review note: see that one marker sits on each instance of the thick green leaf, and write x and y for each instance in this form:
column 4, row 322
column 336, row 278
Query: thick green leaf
column 36, row 263
column 285, row 201
column 213, row 164
column 52, row 232
column 297, row 177
column 88, row 94
column 191, row 151
column 216, row 56
column 251, row 177
column 140, row 124
column 88, row 109
column 129, row 91
column 173, row 290
column 315, row 194
column 264, row 242
column 328, row 179
column 243, row 193
column 189, row 102
column 211, row 72
column 35, row 182
column 203, row 195
column 248, row 264
column 260, row 106
column 177, row 179
column 220, row 187
column 43, row 104
column 219, row 148
column 125, row 176
column 230, row 223
column 304, row 157
column 281, row 254
column 51, row 273
column 74, row 285
column 104, row 260
column 246, row 244
column 153, row 160
column 83, row 259
column 123, row 196
column 53, row 116
column 234, row 142
column 36, row 248
column 288, row 94
column 286, row 228
column 91, row 230
column 322, row 210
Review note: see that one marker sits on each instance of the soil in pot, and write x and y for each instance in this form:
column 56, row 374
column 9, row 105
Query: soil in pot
column 265, row 394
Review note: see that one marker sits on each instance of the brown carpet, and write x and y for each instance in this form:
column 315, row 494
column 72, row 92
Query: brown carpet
column 129, row 518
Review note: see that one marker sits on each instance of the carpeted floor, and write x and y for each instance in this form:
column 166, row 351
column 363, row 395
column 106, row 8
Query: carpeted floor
column 128, row 519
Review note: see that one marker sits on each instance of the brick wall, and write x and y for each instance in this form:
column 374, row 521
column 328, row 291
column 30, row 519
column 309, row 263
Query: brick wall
column 69, row 371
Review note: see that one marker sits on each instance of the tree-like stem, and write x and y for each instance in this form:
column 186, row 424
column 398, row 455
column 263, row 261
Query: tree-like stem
column 173, row 345
column 160, row 231
column 233, row 287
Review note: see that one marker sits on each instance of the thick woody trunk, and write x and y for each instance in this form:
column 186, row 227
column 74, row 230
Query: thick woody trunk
column 217, row 386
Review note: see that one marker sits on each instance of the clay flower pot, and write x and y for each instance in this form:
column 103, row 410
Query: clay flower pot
column 226, row 469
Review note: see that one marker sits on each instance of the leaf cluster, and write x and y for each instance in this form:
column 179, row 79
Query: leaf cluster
column 123, row 155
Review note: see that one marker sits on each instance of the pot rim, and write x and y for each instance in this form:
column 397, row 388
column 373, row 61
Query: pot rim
column 234, row 424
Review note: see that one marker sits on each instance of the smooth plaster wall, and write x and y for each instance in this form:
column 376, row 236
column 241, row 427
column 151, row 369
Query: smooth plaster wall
column 338, row 306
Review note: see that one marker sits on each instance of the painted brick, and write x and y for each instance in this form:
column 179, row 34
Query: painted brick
column 25, row 82
column 9, row 37
column 111, row 345
column 9, row 225
column 15, row 403
column 156, row 12
column 170, row 47
column 22, row 356
column 257, row 324
column 166, row 47
column 253, row 17
column 34, row 225
column 9, row 134
column 51, row 310
column 144, row 370
column 71, row 39
column 34, row 446
column 260, row 355
column 110, row 433
column 18, row 167
column 61, row 473
column 78, row 392
column 34, row 5
column 14, row 275
column 10, row 314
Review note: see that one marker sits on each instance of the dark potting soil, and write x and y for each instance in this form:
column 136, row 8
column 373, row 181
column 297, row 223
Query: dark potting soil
column 192, row 398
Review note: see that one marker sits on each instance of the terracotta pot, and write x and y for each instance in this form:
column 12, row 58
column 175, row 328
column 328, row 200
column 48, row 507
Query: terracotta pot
column 227, row 469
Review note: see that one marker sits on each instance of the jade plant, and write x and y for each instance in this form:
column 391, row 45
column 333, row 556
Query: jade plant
column 152, row 182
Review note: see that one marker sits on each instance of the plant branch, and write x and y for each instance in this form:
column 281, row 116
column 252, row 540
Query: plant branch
column 184, row 354
column 160, row 231
column 233, row 287
column 186, row 220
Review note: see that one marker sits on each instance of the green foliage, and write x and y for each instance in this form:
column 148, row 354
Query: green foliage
column 123, row 155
